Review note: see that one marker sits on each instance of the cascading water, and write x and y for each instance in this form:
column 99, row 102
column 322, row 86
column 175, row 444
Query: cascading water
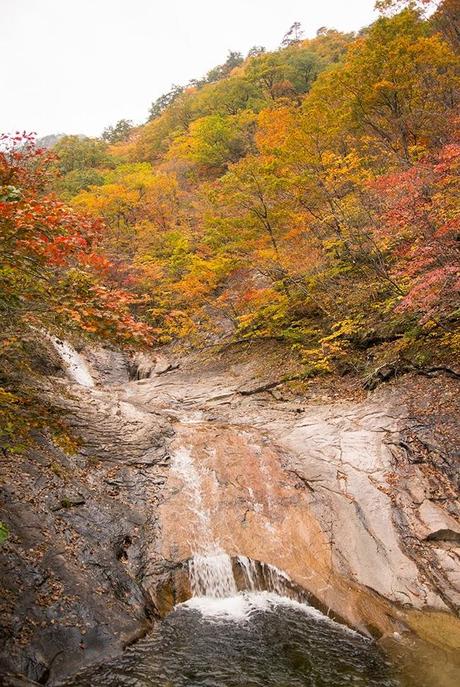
column 210, row 568
column 264, row 577
column 246, row 623
column 212, row 576
column 249, row 571
column 76, row 367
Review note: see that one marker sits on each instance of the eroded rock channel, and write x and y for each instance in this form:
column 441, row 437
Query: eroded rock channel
column 196, row 481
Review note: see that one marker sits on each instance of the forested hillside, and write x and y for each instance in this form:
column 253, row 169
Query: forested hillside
column 308, row 194
column 229, row 351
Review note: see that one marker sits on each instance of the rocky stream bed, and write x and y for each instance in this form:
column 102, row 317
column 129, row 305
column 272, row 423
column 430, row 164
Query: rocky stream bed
column 351, row 497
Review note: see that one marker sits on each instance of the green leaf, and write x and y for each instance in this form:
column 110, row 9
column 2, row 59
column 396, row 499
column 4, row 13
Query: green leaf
column 4, row 532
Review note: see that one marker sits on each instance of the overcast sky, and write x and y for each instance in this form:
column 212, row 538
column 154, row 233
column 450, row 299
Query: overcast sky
column 75, row 66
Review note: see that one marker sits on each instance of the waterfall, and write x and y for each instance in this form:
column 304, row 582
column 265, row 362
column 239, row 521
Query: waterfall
column 77, row 369
column 260, row 577
column 212, row 576
column 249, row 571
column 210, row 568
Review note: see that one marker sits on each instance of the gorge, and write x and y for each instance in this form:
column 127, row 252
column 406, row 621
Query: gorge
column 229, row 349
column 197, row 499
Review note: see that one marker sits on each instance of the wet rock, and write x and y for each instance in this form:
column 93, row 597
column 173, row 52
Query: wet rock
column 107, row 364
column 77, row 545
column 353, row 499
column 141, row 366
column 18, row 681
column 444, row 536
column 437, row 524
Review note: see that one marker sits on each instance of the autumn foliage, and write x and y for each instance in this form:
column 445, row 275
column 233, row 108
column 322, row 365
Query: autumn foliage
column 308, row 194
column 53, row 274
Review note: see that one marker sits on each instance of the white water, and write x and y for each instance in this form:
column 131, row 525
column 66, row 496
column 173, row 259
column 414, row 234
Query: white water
column 211, row 572
column 241, row 606
column 77, row 369
column 183, row 466
column 210, row 568
column 212, row 576
column 249, row 571
column 262, row 576
column 278, row 581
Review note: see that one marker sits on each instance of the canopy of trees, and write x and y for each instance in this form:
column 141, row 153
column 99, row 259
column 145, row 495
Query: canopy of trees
column 324, row 172
column 308, row 194
column 54, row 277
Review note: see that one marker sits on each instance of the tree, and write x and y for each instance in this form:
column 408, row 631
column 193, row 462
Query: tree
column 119, row 132
column 120, row 200
column 396, row 90
column 234, row 59
column 249, row 212
column 154, row 138
column 446, row 20
column 410, row 80
column 287, row 73
column 256, row 50
column 419, row 219
column 80, row 152
column 227, row 97
column 53, row 277
column 293, row 35
column 78, row 180
column 164, row 101
column 267, row 71
column 395, row 6
column 48, row 250
column 308, row 193
column 215, row 141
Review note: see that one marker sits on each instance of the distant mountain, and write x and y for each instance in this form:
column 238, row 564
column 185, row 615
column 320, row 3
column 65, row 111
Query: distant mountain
column 50, row 140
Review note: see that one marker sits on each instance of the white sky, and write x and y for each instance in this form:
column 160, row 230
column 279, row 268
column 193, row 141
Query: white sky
column 76, row 66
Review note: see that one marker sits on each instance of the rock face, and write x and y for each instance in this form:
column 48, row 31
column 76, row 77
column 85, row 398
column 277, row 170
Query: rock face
column 343, row 496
